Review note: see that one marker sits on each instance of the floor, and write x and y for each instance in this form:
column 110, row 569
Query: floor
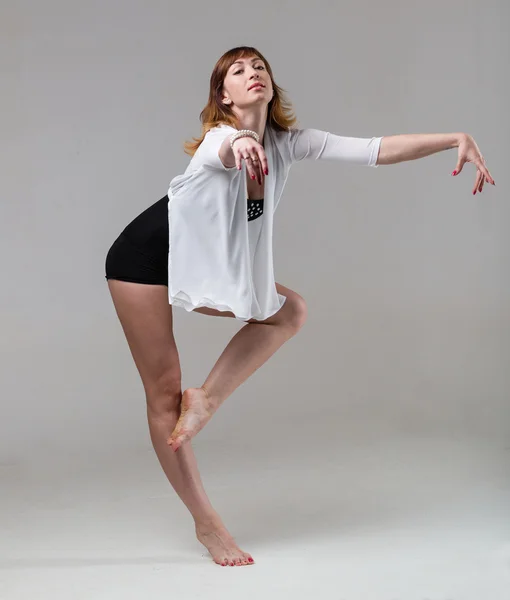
column 379, row 518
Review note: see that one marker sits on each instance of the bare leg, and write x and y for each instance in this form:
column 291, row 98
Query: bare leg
column 180, row 468
column 146, row 319
column 182, row 472
column 248, row 350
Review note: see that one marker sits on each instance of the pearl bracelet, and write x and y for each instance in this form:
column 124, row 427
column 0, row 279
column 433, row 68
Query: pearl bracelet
column 243, row 133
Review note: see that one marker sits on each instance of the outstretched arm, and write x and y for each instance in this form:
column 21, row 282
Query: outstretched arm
column 315, row 144
column 388, row 150
column 399, row 148
column 410, row 146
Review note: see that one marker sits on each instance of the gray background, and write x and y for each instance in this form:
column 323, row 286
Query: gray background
column 392, row 402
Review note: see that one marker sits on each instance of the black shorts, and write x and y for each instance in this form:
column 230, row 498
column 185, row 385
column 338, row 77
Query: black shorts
column 140, row 253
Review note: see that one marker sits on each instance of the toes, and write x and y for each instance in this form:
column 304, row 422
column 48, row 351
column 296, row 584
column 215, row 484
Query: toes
column 175, row 438
column 238, row 561
column 177, row 442
column 174, row 444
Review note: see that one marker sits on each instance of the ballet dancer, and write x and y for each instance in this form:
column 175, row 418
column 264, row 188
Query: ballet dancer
column 206, row 246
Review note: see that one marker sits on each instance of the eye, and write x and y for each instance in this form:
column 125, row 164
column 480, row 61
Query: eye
column 259, row 67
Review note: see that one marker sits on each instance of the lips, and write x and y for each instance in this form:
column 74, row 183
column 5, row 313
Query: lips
column 256, row 85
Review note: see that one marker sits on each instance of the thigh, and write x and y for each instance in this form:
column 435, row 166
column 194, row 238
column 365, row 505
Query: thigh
column 147, row 321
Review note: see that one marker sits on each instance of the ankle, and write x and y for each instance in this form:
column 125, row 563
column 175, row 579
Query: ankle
column 211, row 403
column 208, row 521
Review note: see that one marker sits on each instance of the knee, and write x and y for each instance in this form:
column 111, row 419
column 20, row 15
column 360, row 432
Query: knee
column 297, row 313
column 164, row 395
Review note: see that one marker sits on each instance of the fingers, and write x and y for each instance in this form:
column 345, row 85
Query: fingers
column 237, row 154
column 459, row 166
column 263, row 161
column 482, row 176
column 479, row 177
column 254, row 156
column 480, row 165
column 253, row 169
column 260, row 168
column 485, row 172
column 482, row 182
column 247, row 159
column 255, row 166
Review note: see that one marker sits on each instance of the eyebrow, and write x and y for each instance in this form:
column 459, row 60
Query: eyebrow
column 240, row 61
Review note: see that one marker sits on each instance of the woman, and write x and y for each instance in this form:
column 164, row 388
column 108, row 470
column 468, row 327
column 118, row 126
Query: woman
column 206, row 246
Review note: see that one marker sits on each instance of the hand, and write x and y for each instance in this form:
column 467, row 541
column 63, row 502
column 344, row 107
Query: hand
column 469, row 152
column 249, row 150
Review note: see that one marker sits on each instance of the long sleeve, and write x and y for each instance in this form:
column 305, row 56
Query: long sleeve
column 316, row 144
column 207, row 152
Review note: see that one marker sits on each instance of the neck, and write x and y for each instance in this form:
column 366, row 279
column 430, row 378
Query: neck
column 253, row 120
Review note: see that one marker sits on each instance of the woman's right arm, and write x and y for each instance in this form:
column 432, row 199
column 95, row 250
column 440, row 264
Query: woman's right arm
column 226, row 155
column 215, row 152
column 244, row 149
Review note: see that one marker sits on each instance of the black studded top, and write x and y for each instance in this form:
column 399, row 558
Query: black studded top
column 255, row 208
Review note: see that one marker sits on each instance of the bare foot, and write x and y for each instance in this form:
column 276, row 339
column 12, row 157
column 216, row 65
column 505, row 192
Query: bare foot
column 196, row 410
column 221, row 545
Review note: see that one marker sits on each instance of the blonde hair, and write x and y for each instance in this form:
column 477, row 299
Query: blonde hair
column 280, row 115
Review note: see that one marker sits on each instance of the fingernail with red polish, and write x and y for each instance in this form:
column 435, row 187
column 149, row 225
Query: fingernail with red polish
column 454, row 173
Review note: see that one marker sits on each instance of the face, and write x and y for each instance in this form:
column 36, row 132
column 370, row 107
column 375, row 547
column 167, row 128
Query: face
column 241, row 76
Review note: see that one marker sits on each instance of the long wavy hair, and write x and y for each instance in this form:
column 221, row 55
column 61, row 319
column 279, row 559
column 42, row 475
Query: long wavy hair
column 280, row 115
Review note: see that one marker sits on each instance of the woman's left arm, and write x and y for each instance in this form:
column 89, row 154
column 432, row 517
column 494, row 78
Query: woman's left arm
column 399, row 148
